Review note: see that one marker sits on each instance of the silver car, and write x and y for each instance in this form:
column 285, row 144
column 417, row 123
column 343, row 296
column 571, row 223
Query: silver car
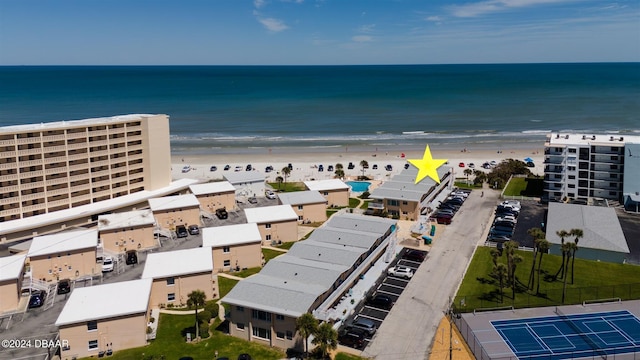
column 365, row 324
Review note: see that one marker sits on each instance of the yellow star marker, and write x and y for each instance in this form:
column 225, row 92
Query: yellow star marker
column 427, row 166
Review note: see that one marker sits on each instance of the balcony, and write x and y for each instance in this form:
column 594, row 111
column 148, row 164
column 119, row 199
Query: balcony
column 55, row 148
column 99, row 163
column 98, row 142
column 28, row 197
column 98, row 173
column 55, row 192
column 9, row 177
column 9, row 212
column 7, row 142
column 79, row 156
column 8, row 154
column 106, row 182
column 56, row 159
column 96, row 132
column 79, row 167
column 553, row 169
column 34, row 151
column 11, row 165
column 32, row 185
column 34, row 207
column 28, row 140
column 80, row 145
column 76, row 135
column 8, row 189
column 58, row 180
column 46, row 138
column 30, row 163
column 31, row 173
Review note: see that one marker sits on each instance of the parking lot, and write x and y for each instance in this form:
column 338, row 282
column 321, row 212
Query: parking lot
column 388, row 285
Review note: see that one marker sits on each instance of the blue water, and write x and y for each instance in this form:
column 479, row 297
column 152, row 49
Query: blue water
column 358, row 186
column 231, row 107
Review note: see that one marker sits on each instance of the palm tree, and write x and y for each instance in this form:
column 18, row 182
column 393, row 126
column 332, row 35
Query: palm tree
column 566, row 249
column 480, row 178
column 365, row 165
column 515, row 260
column 279, row 179
column 510, row 247
column 500, row 272
column 285, row 171
column 578, row 233
column 339, row 166
column 326, row 338
column 562, row 234
column 537, row 234
column 543, row 247
column 495, row 253
column 196, row 300
column 339, row 173
column 467, row 172
column 307, row 325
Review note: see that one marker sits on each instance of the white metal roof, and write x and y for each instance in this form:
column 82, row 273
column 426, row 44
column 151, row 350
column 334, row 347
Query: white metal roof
column 106, row 301
column 63, row 242
column 591, row 139
column 240, row 177
column 11, row 267
column 266, row 214
column 125, row 219
column 71, row 123
column 99, row 207
column 215, row 187
column 178, row 262
column 301, row 197
column 173, row 202
column 324, row 185
column 230, row 235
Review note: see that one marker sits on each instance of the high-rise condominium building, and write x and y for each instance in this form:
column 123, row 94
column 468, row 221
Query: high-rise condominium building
column 61, row 165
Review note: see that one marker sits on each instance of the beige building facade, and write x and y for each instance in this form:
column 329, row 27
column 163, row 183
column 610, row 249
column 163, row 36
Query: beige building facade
column 132, row 230
column 310, row 206
column 264, row 328
column 69, row 254
column 60, row 165
column 215, row 195
column 334, row 190
column 234, row 247
column 171, row 211
column 11, row 275
column 277, row 223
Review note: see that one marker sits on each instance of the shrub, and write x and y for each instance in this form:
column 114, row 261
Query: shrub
column 204, row 330
column 365, row 195
column 204, row 316
column 152, row 319
column 170, row 306
column 212, row 307
column 149, row 330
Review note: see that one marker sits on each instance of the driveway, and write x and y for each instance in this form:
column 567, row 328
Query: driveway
column 409, row 329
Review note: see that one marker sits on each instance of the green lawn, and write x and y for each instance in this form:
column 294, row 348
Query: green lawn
column 270, row 254
column 225, row 285
column 354, row 203
column 593, row 280
column 331, row 212
column 464, row 185
column 288, row 245
column 365, row 205
column 248, row 272
column 170, row 343
column 288, row 186
column 518, row 186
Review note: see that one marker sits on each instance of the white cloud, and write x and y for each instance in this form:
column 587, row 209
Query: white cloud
column 434, row 18
column 273, row 25
column 492, row 6
column 366, row 29
column 362, row 38
column 259, row 3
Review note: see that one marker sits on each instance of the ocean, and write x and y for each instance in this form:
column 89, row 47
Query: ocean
column 230, row 109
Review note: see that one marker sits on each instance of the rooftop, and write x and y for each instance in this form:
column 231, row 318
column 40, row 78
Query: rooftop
column 125, row 219
column 230, row 235
column 301, row 197
column 600, row 225
column 63, row 242
column 240, row 177
column 11, row 267
column 403, row 186
column 173, row 202
column 266, row 214
column 106, row 301
column 60, row 216
column 74, row 123
column 215, row 187
column 324, row 185
column 178, row 262
column 591, row 139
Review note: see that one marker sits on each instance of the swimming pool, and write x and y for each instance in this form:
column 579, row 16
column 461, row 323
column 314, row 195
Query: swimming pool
column 359, row 186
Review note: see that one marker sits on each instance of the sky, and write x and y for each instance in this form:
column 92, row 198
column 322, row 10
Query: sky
column 316, row 32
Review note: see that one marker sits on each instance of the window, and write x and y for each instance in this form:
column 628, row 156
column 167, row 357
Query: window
column 572, row 195
column 393, row 202
column 571, row 168
column 267, row 226
column 240, row 308
column 240, row 326
column 171, row 297
column 300, row 217
column 572, row 186
column 615, row 158
column 289, row 335
column 171, row 281
column 227, row 263
column 279, row 317
column 300, row 207
column 280, row 335
column 268, row 237
column 261, row 315
column 261, row 333
column 226, row 249
column 405, row 203
column 572, row 150
column 572, row 177
column 325, row 193
column 92, row 325
column 613, row 176
column 93, row 344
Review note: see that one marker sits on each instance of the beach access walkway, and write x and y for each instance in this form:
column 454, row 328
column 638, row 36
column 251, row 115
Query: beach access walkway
column 409, row 330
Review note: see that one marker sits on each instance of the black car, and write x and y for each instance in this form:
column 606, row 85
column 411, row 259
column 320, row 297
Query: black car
column 227, row 167
column 268, row 169
column 222, row 213
column 388, row 167
column 290, row 166
column 132, row 257
column 414, row 255
column 406, row 166
column 249, row 167
column 375, row 167
column 530, row 164
column 380, row 301
column 330, row 168
column 244, row 357
column 213, row 168
column 351, row 166
column 354, row 338
column 64, row 286
column 37, row 299
column 194, row 230
column 181, row 231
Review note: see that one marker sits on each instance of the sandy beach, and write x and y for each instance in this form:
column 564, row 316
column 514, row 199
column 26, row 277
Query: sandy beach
column 305, row 163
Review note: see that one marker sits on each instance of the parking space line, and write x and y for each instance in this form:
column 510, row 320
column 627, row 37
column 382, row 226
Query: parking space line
column 388, row 292
column 395, row 286
column 371, row 317
column 375, row 308
column 411, row 262
column 397, row 278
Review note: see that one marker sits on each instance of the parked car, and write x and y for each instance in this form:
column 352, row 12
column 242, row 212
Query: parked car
column 498, row 238
column 445, row 211
column 132, row 257
column 486, row 166
column 194, row 230
column 504, row 224
column 244, row 357
column 213, row 168
column 330, row 168
column 64, row 286
column 493, row 163
column 238, row 168
column 461, row 165
column 320, row 167
column 271, row 195
column 249, row 167
column 186, row 169
column 354, row 338
column 351, row 166
column 380, row 301
column 401, row 271
column 472, row 166
column 252, row 200
column 227, row 167
column 509, row 218
column 290, row 166
column 375, row 167
column 107, row 264
column 414, row 255
column 388, row 167
column 364, row 324
column 222, row 213
column 268, row 169
column 406, row 166
column 181, row 231
column 36, row 299
column 511, row 202
column 531, row 164
column 444, row 219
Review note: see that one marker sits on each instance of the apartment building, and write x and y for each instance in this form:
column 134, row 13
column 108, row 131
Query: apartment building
column 171, row 211
column 310, row 206
column 60, row 165
column 234, row 247
column 68, row 254
column 11, row 274
column 334, row 190
column 215, row 195
column 582, row 167
column 131, row 230
column 278, row 223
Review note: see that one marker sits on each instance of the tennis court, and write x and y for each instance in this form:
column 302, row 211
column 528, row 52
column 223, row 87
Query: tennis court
column 571, row 336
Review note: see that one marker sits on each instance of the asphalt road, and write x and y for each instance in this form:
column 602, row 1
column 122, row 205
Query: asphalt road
column 409, row 329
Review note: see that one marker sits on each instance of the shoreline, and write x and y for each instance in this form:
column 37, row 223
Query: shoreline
column 305, row 161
